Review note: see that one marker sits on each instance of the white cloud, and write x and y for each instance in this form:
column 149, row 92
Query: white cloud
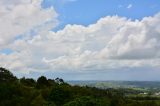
column 111, row 43
column 22, row 16
column 129, row 6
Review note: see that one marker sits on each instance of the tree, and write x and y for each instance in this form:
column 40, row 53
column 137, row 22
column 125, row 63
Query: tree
column 60, row 94
column 59, row 80
column 52, row 82
column 39, row 101
column 42, row 82
column 6, row 75
column 28, row 82
column 87, row 101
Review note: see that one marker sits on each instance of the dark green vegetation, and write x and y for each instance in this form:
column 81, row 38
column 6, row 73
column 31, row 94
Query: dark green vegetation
column 56, row 92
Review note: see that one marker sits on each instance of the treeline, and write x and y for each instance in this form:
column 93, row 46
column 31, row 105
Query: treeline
column 56, row 92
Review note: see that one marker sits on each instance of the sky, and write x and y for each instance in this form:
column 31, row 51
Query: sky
column 81, row 39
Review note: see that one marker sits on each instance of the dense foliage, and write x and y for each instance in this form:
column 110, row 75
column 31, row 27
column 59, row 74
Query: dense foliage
column 55, row 92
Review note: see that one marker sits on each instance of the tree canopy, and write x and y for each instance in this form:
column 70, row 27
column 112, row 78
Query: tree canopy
column 56, row 92
column 6, row 75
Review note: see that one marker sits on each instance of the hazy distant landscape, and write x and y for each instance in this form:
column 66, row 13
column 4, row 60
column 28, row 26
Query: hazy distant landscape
column 144, row 88
column 118, row 84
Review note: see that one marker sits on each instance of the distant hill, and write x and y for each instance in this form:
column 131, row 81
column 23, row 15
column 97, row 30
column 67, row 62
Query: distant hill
column 117, row 84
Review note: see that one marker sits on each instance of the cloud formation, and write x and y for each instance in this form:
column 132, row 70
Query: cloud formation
column 23, row 16
column 113, row 42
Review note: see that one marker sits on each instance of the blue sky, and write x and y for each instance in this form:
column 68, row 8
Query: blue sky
column 81, row 39
column 87, row 12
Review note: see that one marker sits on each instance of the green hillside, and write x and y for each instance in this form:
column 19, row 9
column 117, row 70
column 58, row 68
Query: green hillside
column 56, row 92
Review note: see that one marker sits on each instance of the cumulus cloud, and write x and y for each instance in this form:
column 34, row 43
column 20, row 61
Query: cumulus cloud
column 23, row 16
column 113, row 42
